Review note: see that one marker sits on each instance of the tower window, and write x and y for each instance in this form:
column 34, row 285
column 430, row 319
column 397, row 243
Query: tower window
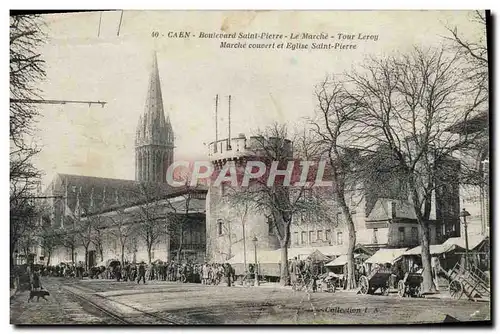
column 220, row 225
column 414, row 234
column 401, row 232
column 375, row 236
column 340, row 241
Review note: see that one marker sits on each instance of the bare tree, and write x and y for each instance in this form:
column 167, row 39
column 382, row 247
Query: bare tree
column 284, row 203
column 121, row 230
column 409, row 102
column 50, row 239
column 474, row 52
column 26, row 70
column 150, row 214
column 84, row 233
column 338, row 114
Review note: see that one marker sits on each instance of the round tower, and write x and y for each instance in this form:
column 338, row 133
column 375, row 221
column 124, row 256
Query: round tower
column 231, row 229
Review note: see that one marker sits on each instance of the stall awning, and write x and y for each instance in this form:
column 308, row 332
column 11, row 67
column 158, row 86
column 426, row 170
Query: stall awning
column 300, row 253
column 435, row 249
column 474, row 241
column 384, row 255
column 263, row 256
column 341, row 260
column 317, row 256
column 336, row 250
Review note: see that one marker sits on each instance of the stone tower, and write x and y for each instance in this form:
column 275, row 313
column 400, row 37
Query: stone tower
column 154, row 141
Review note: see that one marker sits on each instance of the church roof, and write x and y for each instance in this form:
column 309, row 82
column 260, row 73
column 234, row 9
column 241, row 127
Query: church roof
column 99, row 194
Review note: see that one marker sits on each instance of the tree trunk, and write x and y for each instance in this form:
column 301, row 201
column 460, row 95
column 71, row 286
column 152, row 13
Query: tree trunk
column 149, row 254
column 284, row 265
column 123, row 253
column 428, row 283
column 284, row 274
column 86, row 257
column 48, row 258
column 179, row 249
column 338, row 181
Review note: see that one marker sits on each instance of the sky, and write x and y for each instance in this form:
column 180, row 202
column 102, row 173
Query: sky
column 265, row 85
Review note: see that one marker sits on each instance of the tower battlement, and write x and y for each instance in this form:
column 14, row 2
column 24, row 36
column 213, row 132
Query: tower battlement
column 234, row 149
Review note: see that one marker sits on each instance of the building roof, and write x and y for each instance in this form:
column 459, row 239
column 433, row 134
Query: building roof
column 99, row 194
column 386, row 209
column 476, row 123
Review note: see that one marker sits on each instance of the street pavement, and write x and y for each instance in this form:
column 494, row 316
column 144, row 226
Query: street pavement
column 198, row 304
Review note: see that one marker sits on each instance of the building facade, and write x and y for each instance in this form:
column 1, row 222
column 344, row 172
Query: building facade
column 113, row 203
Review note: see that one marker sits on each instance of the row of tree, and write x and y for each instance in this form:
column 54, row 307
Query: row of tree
column 392, row 116
column 149, row 217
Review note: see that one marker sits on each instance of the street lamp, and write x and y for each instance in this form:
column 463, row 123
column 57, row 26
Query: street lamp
column 464, row 214
column 255, row 268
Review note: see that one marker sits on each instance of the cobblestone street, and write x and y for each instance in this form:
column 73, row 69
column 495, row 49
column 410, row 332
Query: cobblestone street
column 110, row 302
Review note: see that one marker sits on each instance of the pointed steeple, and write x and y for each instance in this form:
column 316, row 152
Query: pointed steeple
column 154, row 135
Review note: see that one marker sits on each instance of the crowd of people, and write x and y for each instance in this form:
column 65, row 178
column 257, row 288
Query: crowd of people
column 185, row 272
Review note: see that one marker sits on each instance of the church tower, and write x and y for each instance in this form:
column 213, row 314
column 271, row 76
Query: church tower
column 154, row 141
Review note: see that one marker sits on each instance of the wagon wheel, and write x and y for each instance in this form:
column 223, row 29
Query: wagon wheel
column 456, row 289
column 401, row 288
column 363, row 285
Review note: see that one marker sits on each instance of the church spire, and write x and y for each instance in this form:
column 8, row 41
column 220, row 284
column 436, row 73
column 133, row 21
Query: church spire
column 154, row 135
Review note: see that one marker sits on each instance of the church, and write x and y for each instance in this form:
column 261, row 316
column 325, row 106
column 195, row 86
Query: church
column 103, row 218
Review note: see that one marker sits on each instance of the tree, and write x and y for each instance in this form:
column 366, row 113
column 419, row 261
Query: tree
column 50, row 239
column 179, row 216
column 150, row 214
column 409, row 101
column 26, row 70
column 474, row 52
column 84, row 233
column 121, row 230
column 283, row 203
column 338, row 113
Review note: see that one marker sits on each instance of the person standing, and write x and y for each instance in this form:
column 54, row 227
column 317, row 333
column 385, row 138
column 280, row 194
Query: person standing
column 436, row 268
column 141, row 273
column 294, row 273
column 228, row 272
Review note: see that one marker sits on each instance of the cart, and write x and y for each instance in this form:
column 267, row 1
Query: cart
column 410, row 285
column 377, row 279
column 328, row 282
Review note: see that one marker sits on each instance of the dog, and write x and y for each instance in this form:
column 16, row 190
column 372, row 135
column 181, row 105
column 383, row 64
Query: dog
column 38, row 294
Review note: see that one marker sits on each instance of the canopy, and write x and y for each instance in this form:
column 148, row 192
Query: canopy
column 263, row 256
column 383, row 256
column 341, row 260
column 336, row 250
column 317, row 256
column 300, row 253
column 474, row 241
column 435, row 249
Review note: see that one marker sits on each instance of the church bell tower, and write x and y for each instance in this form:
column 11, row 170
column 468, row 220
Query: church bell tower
column 154, row 141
